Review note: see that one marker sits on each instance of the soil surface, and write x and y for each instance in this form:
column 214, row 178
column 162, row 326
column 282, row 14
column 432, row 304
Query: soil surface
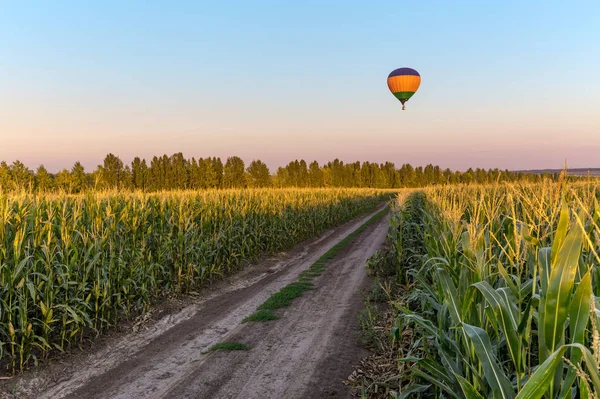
column 305, row 354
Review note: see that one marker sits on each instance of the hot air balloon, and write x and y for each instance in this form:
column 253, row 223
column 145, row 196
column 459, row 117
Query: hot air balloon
column 403, row 83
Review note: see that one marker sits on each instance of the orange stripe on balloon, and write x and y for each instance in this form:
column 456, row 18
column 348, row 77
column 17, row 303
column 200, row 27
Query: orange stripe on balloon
column 404, row 83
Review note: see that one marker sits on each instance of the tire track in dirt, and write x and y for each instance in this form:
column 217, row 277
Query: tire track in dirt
column 159, row 362
column 305, row 354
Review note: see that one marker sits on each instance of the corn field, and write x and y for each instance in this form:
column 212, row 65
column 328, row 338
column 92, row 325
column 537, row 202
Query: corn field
column 500, row 295
column 75, row 265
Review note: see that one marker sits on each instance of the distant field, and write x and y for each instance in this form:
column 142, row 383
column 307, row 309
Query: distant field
column 571, row 172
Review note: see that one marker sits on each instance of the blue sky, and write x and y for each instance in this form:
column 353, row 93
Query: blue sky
column 504, row 84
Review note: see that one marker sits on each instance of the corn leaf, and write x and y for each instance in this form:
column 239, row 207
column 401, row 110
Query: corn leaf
column 494, row 375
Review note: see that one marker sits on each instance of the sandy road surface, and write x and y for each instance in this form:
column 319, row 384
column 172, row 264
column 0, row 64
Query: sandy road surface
column 305, row 354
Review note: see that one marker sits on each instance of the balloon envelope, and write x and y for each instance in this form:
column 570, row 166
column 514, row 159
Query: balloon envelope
column 403, row 83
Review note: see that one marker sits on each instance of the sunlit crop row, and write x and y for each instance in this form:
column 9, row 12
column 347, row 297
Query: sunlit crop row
column 501, row 294
column 74, row 265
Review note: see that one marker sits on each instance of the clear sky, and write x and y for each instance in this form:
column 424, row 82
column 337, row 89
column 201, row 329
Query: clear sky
column 508, row 84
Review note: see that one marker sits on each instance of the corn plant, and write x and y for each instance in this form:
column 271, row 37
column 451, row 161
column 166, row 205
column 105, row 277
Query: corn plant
column 503, row 298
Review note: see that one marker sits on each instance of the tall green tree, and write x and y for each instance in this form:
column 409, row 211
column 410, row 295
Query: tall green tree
column 44, row 180
column 214, row 172
column 179, row 172
column 337, row 172
column 139, row 174
column 437, row 175
column 315, row 175
column 327, row 176
column 419, row 177
column 297, row 174
column 303, row 179
column 407, row 175
column 194, row 181
column 281, row 177
column 258, row 174
column 468, row 176
column 378, row 176
column 156, row 175
column 211, row 178
column 494, row 174
column 21, row 176
column 428, row 175
column 127, row 181
column 112, row 172
column 79, row 178
column 198, row 174
column 64, row 181
column 354, row 170
column 201, row 174
column 447, row 176
column 233, row 173
column 366, row 175
column 480, row 176
column 167, row 173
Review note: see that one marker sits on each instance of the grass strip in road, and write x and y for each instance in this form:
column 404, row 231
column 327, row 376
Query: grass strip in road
column 229, row 346
column 261, row 315
column 284, row 297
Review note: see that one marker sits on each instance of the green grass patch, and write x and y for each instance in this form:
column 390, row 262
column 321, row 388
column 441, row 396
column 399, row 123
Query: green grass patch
column 261, row 315
column 283, row 298
column 311, row 273
column 229, row 346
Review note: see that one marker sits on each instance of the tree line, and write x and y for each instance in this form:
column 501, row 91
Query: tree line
column 178, row 173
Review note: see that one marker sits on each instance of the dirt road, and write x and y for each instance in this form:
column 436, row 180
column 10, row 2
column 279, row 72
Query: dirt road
column 305, row 354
